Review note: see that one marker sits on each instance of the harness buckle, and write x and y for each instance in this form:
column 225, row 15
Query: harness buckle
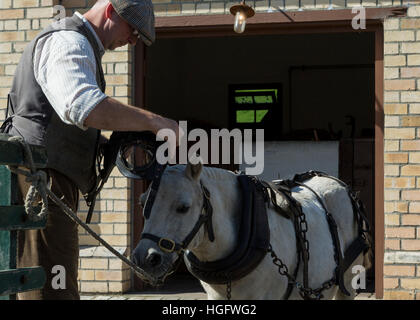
column 164, row 241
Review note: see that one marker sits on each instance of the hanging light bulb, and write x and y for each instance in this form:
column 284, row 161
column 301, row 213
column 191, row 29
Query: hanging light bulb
column 240, row 22
column 241, row 13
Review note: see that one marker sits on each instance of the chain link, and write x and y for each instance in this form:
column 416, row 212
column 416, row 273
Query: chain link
column 228, row 290
column 309, row 293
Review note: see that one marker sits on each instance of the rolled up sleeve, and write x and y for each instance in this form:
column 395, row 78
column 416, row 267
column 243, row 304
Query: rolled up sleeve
column 67, row 76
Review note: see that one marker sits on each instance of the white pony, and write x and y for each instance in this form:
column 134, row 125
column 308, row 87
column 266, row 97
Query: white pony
column 179, row 202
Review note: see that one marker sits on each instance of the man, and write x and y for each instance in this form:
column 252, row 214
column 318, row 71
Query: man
column 57, row 100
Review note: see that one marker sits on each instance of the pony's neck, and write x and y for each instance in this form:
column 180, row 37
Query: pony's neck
column 226, row 202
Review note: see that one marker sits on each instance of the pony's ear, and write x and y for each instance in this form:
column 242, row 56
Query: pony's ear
column 193, row 171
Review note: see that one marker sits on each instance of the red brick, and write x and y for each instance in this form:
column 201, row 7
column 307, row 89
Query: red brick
column 410, row 145
column 390, row 283
column 412, row 245
column 410, row 72
column 396, row 157
column 392, row 244
column 410, row 121
column 410, row 195
column 400, row 232
column 395, row 270
column 400, row 84
column 392, row 108
column 411, row 219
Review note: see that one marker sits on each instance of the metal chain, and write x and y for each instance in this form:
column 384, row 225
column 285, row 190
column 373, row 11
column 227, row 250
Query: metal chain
column 302, row 230
column 315, row 294
column 228, row 289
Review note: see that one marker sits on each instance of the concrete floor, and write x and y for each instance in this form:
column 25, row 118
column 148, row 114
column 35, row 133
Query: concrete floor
column 178, row 288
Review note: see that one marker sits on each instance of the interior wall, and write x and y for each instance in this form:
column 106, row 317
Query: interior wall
column 188, row 78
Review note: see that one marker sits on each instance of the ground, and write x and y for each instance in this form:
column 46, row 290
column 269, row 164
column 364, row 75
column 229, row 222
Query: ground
column 176, row 289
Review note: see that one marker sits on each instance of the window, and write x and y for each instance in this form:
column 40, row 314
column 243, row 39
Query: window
column 256, row 106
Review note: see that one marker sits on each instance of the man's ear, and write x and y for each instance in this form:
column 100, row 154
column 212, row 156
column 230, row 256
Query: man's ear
column 108, row 10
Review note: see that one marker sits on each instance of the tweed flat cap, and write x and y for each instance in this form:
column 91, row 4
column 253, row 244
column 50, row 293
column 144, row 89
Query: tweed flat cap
column 139, row 14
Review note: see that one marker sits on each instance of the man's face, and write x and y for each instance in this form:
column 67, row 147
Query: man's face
column 119, row 33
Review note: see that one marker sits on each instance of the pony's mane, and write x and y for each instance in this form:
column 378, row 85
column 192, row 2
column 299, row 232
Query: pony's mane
column 208, row 172
column 217, row 173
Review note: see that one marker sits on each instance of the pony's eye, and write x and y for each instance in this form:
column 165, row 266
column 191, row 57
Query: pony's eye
column 182, row 208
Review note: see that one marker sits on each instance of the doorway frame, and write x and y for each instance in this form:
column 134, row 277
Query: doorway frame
column 285, row 22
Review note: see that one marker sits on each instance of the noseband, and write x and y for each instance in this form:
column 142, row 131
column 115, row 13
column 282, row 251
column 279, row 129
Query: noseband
column 168, row 245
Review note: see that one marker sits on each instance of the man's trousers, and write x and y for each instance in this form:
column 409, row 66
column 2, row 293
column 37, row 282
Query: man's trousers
column 55, row 245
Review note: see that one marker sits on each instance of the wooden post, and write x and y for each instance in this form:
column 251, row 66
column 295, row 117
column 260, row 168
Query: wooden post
column 14, row 218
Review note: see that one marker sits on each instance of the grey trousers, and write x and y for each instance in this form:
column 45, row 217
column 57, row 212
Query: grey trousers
column 56, row 244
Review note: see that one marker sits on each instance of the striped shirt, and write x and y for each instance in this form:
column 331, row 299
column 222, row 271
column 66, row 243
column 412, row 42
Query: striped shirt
column 65, row 68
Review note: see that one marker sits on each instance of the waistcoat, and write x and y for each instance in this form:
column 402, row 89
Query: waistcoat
column 70, row 150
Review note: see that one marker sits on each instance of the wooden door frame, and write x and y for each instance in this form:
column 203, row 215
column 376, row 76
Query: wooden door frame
column 303, row 22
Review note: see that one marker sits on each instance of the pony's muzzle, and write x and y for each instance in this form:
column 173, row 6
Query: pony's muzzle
column 153, row 260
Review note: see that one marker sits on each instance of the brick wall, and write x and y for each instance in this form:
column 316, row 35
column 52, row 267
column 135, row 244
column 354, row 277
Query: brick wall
column 21, row 20
column 185, row 7
column 402, row 156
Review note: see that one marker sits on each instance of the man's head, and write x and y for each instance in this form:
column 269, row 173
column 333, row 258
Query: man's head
column 139, row 14
column 120, row 22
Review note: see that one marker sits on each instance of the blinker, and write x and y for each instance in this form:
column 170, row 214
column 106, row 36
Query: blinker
column 121, row 151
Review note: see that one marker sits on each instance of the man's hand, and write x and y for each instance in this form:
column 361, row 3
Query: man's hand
column 169, row 124
column 166, row 128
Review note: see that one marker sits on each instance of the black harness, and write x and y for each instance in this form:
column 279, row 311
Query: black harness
column 168, row 245
column 110, row 154
column 251, row 245
column 360, row 245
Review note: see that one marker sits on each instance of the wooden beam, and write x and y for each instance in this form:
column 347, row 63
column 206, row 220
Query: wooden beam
column 15, row 218
column 11, row 153
column 19, row 280
column 282, row 17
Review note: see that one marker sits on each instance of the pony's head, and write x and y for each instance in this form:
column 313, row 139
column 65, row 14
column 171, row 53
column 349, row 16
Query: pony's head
column 172, row 222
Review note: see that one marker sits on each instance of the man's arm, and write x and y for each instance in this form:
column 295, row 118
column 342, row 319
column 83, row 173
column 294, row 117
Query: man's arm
column 110, row 114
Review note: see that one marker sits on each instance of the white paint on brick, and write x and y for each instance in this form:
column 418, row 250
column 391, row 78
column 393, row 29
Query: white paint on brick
column 188, row 8
column 413, row 11
column 410, row 96
column 203, row 8
column 10, row 25
column 391, row 73
column 392, row 24
column 401, row 257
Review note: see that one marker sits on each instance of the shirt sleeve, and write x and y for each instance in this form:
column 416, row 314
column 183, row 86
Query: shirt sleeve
column 65, row 68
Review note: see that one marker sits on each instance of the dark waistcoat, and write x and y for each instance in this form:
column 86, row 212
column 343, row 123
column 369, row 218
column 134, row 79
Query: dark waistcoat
column 70, row 150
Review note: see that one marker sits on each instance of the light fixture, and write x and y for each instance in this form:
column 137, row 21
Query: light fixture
column 241, row 12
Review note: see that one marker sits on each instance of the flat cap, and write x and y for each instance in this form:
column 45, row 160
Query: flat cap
column 139, row 14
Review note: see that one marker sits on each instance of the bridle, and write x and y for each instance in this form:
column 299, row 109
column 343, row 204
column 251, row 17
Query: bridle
column 169, row 246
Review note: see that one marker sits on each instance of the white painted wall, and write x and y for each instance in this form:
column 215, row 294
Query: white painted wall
column 283, row 159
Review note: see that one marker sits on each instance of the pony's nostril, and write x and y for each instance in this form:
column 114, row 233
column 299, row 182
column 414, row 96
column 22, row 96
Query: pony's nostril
column 154, row 259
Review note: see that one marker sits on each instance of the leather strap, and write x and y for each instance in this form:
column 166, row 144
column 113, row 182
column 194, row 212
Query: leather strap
column 206, row 215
